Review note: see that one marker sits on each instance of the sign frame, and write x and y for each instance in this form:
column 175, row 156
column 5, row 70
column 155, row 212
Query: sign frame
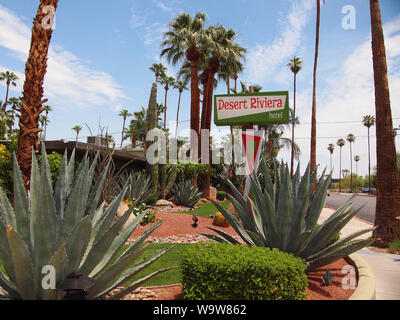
column 259, row 118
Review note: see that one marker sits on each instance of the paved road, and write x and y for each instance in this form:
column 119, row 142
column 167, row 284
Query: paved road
column 335, row 200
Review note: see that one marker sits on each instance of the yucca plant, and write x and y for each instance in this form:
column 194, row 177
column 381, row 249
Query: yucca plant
column 283, row 214
column 186, row 194
column 65, row 229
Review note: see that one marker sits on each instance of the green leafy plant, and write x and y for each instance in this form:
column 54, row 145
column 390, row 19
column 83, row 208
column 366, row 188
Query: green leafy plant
column 284, row 215
column 64, row 228
column 221, row 195
column 216, row 271
column 186, row 194
column 394, row 246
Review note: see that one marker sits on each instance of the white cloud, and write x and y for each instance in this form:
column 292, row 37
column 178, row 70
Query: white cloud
column 68, row 80
column 264, row 59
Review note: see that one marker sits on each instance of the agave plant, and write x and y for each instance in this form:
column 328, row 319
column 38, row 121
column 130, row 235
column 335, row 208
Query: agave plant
column 139, row 187
column 186, row 194
column 65, row 229
column 284, row 214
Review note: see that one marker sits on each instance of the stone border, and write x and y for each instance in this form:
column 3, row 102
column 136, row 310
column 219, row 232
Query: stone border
column 366, row 287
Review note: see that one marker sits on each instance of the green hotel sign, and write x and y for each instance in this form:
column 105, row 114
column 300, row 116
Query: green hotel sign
column 256, row 108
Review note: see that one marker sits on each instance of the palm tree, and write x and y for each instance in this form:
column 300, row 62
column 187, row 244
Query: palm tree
column 136, row 129
column 356, row 159
column 219, row 41
column 167, row 82
column 351, row 138
column 340, row 143
column 44, row 120
column 159, row 70
column 35, row 71
column 313, row 149
column 124, row 114
column 387, row 180
column 295, row 65
column 77, row 129
column 181, row 86
column 369, row 121
column 8, row 117
column 331, row 147
column 47, row 109
column 10, row 79
column 181, row 42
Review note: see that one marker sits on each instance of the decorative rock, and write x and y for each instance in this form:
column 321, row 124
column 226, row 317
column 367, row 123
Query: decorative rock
column 162, row 202
column 232, row 210
column 123, row 207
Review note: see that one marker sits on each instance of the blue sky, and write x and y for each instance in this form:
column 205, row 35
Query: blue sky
column 101, row 52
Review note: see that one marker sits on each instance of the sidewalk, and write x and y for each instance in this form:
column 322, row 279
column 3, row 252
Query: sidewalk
column 385, row 266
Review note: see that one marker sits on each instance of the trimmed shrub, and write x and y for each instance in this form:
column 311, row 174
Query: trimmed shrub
column 221, row 195
column 217, row 271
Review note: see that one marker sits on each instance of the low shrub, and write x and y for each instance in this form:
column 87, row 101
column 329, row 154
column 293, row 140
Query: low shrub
column 217, row 271
column 221, row 195
column 394, row 246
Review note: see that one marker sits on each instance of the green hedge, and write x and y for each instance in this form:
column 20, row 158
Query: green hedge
column 217, row 271
column 221, row 195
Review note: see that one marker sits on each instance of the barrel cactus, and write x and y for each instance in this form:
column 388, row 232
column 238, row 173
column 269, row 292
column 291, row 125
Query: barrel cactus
column 219, row 220
column 283, row 214
column 64, row 229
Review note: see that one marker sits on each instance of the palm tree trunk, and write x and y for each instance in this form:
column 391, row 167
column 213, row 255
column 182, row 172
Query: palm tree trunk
column 123, row 128
column 387, row 180
column 293, row 121
column 5, row 101
column 177, row 114
column 313, row 151
column 76, row 141
column 35, row 70
column 165, row 109
column 193, row 55
column 351, row 170
column 340, row 170
column 369, row 165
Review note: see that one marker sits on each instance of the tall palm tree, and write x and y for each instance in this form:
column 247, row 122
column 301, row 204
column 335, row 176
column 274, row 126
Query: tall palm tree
column 124, row 114
column 181, row 86
column 9, row 78
column 35, row 71
column 369, row 121
column 340, row 143
column 351, row 138
column 181, row 42
column 44, row 120
column 331, row 147
column 77, row 129
column 387, row 180
column 166, row 82
column 159, row 70
column 47, row 109
column 356, row 159
column 295, row 65
column 313, row 149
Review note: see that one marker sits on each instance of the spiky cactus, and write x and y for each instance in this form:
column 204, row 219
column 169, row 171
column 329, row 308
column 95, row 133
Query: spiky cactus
column 151, row 123
column 284, row 215
column 66, row 230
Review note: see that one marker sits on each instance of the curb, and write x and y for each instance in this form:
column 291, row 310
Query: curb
column 366, row 287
